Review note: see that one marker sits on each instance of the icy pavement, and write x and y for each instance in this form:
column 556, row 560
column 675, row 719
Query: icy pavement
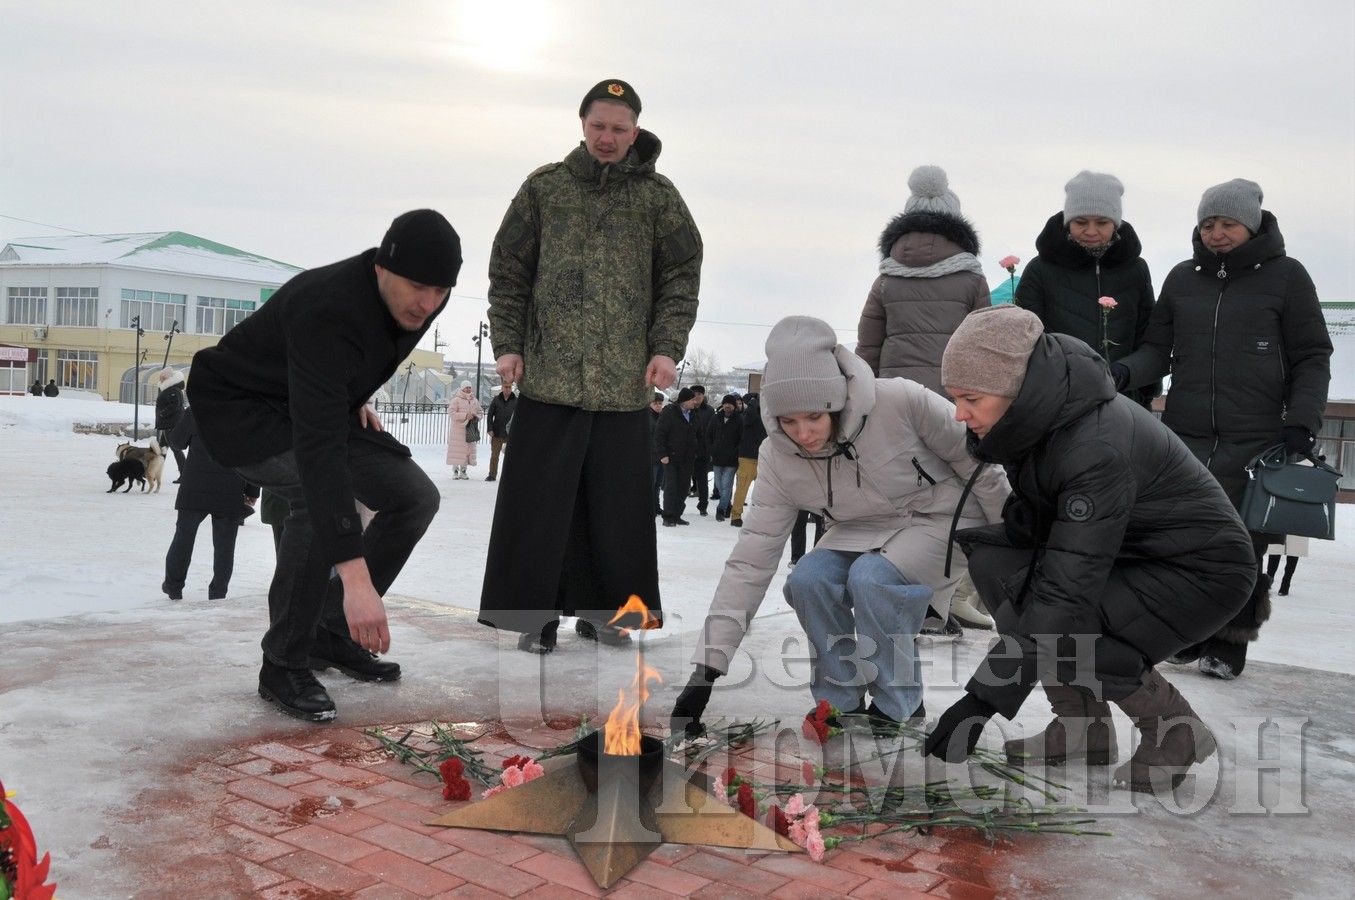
column 110, row 694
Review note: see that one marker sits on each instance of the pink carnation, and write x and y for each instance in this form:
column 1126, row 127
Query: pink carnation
column 496, row 789
column 532, row 770
column 795, row 806
column 1108, row 302
column 814, row 844
column 512, row 777
column 1009, row 262
column 797, row 832
column 721, row 791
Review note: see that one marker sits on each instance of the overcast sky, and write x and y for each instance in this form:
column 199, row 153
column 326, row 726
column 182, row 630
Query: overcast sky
column 297, row 130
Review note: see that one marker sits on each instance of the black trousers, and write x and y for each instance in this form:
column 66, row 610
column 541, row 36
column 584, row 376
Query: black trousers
column 225, row 528
column 700, row 481
column 573, row 528
column 305, row 604
column 677, row 480
column 797, row 534
column 658, row 488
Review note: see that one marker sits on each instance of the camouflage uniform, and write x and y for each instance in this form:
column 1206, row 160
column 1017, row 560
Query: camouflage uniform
column 595, row 270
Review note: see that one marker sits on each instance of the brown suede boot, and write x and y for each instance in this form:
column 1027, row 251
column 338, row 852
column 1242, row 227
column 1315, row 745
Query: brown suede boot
column 1173, row 737
column 1082, row 729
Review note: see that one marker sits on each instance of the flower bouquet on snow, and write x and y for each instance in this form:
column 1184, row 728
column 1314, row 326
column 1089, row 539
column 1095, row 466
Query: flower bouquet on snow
column 22, row 875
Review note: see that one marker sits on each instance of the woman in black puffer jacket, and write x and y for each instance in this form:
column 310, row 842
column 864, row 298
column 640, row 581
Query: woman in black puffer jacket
column 1114, row 534
column 206, row 488
column 1241, row 331
column 1087, row 252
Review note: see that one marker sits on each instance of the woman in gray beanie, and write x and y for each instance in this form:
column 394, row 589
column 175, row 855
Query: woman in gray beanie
column 1240, row 329
column 884, row 462
column 1085, row 252
column 1116, row 550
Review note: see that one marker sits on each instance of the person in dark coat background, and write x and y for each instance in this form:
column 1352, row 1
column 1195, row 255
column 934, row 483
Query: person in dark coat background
column 1086, row 252
column 702, row 415
column 35, row 388
column 169, row 409
column 1116, row 550
column 498, row 420
column 676, row 441
column 206, row 488
column 282, row 399
column 1240, row 329
column 655, row 410
column 724, row 432
column 51, row 390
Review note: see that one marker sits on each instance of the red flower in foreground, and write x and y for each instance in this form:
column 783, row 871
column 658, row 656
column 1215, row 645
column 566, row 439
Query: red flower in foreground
column 747, row 805
column 518, row 761
column 817, row 726
column 24, row 872
column 454, row 785
column 777, row 821
column 808, row 774
column 732, row 778
column 815, row 730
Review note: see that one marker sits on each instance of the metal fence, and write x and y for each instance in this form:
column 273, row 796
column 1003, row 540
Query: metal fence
column 416, row 424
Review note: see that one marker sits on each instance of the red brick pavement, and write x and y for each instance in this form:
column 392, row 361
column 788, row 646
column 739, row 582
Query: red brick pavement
column 329, row 815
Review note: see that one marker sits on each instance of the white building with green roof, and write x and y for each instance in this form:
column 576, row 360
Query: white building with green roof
column 72, row 302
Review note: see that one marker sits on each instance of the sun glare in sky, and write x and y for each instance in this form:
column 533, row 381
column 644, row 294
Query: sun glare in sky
column 507, row 34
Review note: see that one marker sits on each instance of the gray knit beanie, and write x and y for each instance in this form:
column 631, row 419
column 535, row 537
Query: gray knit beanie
column 1093, row 194
column 1238, row 199
column 931, row 192
column 802, row 374
column 988, row 353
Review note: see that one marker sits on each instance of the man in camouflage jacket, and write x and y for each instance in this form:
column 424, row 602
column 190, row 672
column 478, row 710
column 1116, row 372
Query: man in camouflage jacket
column 593, row 289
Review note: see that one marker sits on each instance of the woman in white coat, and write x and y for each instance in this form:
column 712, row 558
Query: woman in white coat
column 462, row 409
column 884, row 462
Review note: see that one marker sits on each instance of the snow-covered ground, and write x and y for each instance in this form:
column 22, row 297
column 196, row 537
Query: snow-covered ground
column 72, row 548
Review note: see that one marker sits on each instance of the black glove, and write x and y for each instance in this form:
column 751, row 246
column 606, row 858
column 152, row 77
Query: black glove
column 1120, row 372
column 957, row 733
column 1297, row 439
column 691, row 703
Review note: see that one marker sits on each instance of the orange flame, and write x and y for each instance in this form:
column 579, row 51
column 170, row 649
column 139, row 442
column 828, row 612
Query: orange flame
column 623, row 723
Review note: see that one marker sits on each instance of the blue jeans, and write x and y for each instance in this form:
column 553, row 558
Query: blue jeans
column 861, row 617
column 724, row 483
column 305, row 605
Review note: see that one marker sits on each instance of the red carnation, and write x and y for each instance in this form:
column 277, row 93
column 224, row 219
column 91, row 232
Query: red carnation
column 747, row 805
column 815, row 730
column 454, row 786
column 822, row 711
column 732, row 778
column 807, row 772
column 451, row 768
column 518, row 761
column 777, row 821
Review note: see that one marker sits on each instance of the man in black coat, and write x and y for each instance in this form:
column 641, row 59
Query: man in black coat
column 35, row 388
column 1240, row 329
column 655, row 410
column 206, row 488
column 676, row 441
column 1117, row 548
column 169, row 409
column 498, row 421
column 724, row 433
column 51, row 390
column 702, row 415
column 282, row 399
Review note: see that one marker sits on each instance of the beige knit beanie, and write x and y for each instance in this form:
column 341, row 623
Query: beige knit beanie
column 988, row 353
column 802, row 374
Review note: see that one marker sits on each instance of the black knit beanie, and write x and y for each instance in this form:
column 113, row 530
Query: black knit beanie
column 422, row 246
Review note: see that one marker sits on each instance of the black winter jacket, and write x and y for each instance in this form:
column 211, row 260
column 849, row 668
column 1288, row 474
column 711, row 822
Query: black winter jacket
column 293, row 377
column 500, row 414
column 1244, row 339
column 675, row 437
column 1129, row 535
column 754, row 431
column 1063, row 284
column 205, row 485
column 169, row 407
column 702, row 416
column 723, row 436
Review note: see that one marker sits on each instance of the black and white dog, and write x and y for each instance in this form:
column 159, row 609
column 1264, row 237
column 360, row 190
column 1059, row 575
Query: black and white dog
column 128, row 470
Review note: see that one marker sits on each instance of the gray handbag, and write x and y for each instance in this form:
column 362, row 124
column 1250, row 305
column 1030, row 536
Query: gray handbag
column 473, row 431
column 1284, row 497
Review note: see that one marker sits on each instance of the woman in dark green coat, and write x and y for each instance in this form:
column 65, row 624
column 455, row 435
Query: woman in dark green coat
column 1087, row 252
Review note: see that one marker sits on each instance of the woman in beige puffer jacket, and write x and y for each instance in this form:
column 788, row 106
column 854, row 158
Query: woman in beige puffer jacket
column 887, row 472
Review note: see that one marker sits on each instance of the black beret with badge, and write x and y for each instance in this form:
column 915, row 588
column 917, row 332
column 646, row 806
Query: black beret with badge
column 611, row 89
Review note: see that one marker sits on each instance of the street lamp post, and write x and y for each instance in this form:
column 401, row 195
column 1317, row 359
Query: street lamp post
column 136, row 380
column 479, row 341
column 169, row 341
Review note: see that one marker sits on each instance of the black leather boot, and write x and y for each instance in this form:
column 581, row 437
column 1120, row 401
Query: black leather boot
column 334, row 652
column 296, row 692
